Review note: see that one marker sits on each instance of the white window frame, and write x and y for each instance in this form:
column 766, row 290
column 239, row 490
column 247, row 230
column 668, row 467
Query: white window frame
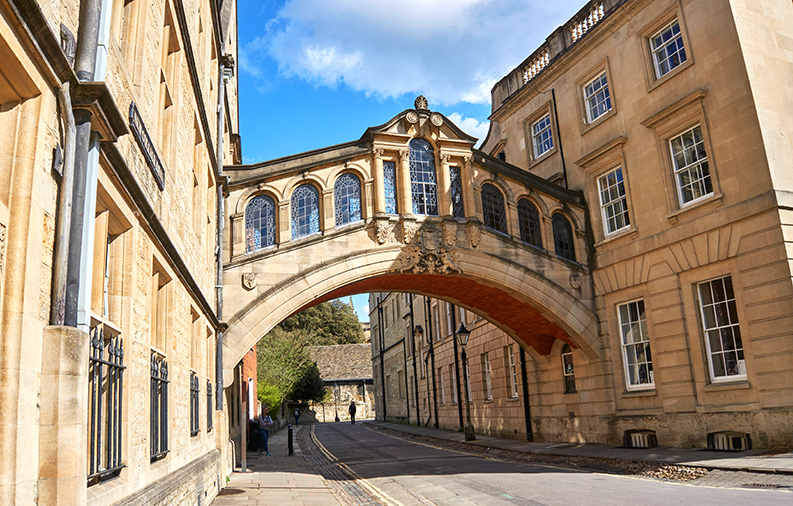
column 462, row 316
column 468, row 383
column 630, row 330
column 449, row 326
column 513, row 371
column 453, row 376
column 655, row 49
column 714, row 328
column 536, row 139
column 621, row 197
column 440, row 380
column 695, row 165
column 488, row 377
column 587, row 96
column 437, row 319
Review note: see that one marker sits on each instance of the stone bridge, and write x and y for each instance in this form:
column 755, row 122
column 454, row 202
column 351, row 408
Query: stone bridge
column 411, row 206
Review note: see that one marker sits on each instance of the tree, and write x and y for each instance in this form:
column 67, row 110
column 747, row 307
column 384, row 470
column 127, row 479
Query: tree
column 284, row 365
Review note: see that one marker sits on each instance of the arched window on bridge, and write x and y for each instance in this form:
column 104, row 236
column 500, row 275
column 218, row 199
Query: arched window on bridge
column 305, row 211
column 529, row 223
column 423, row 180
column 259, row 223
column 493, row 208
column 389, row 176
column 347, row 199
column 563, row 237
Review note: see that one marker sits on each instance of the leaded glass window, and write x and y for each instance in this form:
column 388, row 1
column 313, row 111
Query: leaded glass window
column 722, row 331
column 692, row 174
column 493, row 208
column 389, row 177
column 563, row 237
column 347, row 199
column 305, row 211
column 423, row 186
column 458, row 210
column 529, row 223
column 668, row 50
column 636, row 345
column 259, row 223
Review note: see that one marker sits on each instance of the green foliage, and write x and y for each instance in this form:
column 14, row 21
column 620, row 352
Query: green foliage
column 283, row 362
column 270, row 396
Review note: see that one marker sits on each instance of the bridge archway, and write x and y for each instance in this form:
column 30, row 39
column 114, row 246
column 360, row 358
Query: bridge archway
column 528, row 291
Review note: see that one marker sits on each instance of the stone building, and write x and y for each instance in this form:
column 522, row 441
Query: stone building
column 665, row 115
column 346, row 371
column 112, row 152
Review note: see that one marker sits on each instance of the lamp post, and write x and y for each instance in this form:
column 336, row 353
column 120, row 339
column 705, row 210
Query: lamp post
column 462, row 335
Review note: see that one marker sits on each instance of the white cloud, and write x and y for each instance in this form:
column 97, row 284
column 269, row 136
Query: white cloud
column 452, row 51
column 471, row 126
column 365, row 311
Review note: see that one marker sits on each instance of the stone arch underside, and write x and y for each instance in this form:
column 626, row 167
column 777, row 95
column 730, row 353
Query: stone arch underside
column 528, row 307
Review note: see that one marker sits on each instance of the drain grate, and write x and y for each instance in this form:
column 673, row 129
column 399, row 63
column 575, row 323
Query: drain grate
column 764, row 485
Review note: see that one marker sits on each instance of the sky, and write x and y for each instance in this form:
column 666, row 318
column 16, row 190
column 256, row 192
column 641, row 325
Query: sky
column 314, row 73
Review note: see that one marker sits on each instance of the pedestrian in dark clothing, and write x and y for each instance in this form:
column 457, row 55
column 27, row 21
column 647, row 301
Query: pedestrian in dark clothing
column 297, row 417
column 352, row 412
column 265, row 424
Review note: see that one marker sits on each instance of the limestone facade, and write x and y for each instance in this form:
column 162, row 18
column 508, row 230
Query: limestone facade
column 700, row 72
column 78, row 427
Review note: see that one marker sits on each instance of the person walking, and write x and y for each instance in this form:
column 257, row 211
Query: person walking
column 265, row 424
column 352, row 412
column 297, row 417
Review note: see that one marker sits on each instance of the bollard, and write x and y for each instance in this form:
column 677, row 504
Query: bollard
column 289, row 440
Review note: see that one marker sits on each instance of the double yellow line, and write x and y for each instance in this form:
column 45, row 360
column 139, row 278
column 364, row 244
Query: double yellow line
column 356, row 478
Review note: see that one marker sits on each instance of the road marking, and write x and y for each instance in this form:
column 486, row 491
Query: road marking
column 357, row 478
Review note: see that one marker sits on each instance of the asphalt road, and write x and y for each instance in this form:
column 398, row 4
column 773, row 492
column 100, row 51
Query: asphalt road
column 399, row 472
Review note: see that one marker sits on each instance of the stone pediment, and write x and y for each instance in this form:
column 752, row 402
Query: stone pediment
column 420, row 123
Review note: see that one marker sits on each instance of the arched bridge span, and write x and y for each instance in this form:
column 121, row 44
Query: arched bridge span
column 478, row 232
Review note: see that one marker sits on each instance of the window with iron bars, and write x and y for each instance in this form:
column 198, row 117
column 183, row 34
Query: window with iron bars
column 210, row 407
column 159, row 407
column 194, row 391
column 105, row 392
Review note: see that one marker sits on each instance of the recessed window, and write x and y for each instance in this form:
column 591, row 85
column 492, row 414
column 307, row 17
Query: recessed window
column 529, row 223
column 567, row 370
column 347, row 199
column 259, row 223
column 493, row 211
column 722, row 332
column 541, row 136
column 597, row 97
column 667, row 48
column 613, row 203
column 692, row 174
column 389, row 178
column 423, row 185
column 488, row 379
column 563, row 237
column 305, row 211
column 512, row 367
column 636, row 345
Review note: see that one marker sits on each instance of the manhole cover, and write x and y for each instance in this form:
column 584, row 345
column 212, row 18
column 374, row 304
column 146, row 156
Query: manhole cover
column 231, row 491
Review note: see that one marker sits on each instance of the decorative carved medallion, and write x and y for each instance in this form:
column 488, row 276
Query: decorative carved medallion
column 575, row 281
column 418, row 260
column 436, row 119
column 474, row 233
column 412, row 117
column 421, row 103
column 249, row 280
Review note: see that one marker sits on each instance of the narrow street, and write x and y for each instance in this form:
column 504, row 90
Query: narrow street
column 395, row 471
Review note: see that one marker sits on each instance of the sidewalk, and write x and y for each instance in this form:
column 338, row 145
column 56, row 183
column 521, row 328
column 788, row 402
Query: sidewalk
column 764, row 461
column 286, row 480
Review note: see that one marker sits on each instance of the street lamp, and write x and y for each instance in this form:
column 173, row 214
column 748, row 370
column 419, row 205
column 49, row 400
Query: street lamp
column 462, row 336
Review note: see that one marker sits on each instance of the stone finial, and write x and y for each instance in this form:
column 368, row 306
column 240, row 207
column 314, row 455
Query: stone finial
column 421, row 103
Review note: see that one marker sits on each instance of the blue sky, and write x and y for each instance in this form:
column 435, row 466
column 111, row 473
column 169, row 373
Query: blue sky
column 313, row 73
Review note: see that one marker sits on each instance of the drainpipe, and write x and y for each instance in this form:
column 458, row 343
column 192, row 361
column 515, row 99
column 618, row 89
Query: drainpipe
column 456, row 366
column 85, row 63
column 58, row 306
column 382, row 344
column 432, row 356
column 415, row 371
column 225, row 70
column 559, row 137
column 526, row 407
